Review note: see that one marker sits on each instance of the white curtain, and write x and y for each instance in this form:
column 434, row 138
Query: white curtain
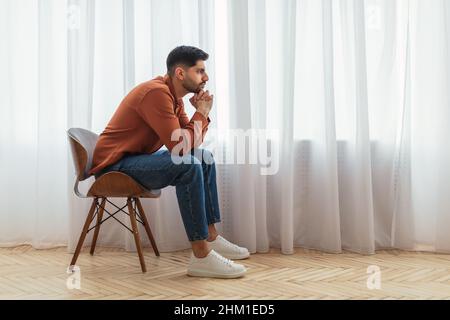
column 358, row 91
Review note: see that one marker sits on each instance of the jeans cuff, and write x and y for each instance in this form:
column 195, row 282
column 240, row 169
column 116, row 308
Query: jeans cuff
column 216, row 220
column 196, row 238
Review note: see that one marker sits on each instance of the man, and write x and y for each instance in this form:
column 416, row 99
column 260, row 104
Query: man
column 152, row 115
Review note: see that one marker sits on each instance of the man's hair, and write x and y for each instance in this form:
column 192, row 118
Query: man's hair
column 185, row 55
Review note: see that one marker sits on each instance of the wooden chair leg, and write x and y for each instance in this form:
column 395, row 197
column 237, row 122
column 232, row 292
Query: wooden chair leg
column 97, row 227
column 147, row 226
column 87, row 223
column 137, row 239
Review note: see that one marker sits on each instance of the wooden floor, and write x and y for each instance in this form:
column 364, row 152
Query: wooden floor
column 26, row 273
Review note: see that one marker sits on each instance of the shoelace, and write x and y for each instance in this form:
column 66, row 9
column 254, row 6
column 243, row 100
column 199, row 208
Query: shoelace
column 223, row 259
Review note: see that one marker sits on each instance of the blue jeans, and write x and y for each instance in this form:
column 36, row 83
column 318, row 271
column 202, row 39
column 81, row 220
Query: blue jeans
column 194, row 179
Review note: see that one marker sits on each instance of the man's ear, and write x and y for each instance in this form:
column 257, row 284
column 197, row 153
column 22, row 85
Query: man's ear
column 179, row 73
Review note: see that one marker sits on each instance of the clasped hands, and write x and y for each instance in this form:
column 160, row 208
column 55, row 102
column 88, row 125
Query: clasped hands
column 202, row 102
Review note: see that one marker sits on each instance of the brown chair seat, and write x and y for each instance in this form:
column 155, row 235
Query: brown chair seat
column 115, row 184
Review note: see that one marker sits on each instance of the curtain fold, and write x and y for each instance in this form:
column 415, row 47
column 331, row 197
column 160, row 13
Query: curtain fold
column 349, row 100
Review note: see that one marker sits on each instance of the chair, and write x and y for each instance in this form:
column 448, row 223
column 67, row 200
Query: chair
column 113, row 184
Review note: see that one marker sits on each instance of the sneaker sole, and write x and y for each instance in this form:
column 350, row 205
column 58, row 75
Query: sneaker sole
column 195, row 273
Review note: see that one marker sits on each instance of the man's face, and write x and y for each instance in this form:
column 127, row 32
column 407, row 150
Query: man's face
column 195, row 77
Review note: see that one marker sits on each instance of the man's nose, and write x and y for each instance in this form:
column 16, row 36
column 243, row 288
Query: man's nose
column 205, row 77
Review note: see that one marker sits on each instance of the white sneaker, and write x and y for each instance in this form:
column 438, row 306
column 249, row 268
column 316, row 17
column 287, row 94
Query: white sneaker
column 214, row 266
column 228, row 250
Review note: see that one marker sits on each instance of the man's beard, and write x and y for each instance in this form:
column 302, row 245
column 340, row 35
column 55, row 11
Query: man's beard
column 191, row 87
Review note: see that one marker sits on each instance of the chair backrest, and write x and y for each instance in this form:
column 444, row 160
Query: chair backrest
column 82, row 144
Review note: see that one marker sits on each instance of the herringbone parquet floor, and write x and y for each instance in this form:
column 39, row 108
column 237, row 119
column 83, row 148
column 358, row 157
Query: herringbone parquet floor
column 26, row 273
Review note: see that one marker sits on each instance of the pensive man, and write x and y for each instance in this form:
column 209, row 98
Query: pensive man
column 151, row 116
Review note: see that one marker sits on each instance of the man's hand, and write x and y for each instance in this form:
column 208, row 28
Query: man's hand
column 202, row 101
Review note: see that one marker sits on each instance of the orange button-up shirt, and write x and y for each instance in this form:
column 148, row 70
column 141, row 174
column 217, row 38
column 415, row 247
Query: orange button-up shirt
column 144, row 122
